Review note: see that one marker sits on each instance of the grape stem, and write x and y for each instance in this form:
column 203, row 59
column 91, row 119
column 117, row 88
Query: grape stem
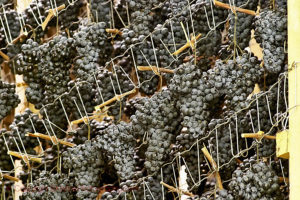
column 15, row 179
column 283, row 179
column 97, row 116
column 22, row 84
column 115, row 98
column 215, row 167
column 259, row 135
column 190, row 43
column 21, row 38
column 114, row 31
column 51, row 14
column 46, row 137
column 179, row 191
column 4, row 56
column 19, row 155
column 227, row 6
column 155, row 69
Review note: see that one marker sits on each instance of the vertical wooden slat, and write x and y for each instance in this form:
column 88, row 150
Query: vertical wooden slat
column 294, row 96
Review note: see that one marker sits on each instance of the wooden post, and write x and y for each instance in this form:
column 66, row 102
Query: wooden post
column 20, row 90
column 294, row 96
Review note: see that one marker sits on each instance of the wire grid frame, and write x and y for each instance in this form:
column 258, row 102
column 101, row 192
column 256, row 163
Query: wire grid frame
column 281, row 117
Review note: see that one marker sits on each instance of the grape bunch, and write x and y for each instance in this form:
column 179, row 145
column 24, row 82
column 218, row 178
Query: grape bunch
column 86, row 165
column 158, row 118
column 263, row 114
column 245, row 71
column 35, row 14
column 68, row 18
column 55, row 67
column 241, row 25
column 108, row 85
column 93, row 48
column 10, row 28
column 101, row 10
column 191, row 103
column 80, row 100
column 118, row 145
column 198, row 92
column 8, row 98
column 223, row 145
column 207, row 17
column 255, row 180
column 271, row 31
column 49, row 186
column 25, row 123
column 5, row 163
column 45, row 69
column 81, row 134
